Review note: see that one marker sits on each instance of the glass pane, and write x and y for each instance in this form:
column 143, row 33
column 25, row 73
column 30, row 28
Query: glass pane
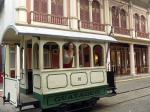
column 12, row 57
column 36, row 56
column 51, row 55
column 98, row 55
column 84, row 55
column 69, row 58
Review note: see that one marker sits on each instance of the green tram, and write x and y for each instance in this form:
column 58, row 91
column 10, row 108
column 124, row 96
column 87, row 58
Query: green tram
column 54, row 68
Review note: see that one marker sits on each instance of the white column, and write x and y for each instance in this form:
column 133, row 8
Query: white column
column 148, row 59
column 131, row 20
column 107, row 17
column 92, row 58
column 32, row 5
column 49, row 6
column 77, row 55
column 41, row 63
column 21, row 12
column 148, row 21
column 106, row 12
column 90, row 10
column 7, row 60
column 18, row 61
column 65, row 7
column 107, row 52
column 61, row 55
column 132, row 60
column 74, row 14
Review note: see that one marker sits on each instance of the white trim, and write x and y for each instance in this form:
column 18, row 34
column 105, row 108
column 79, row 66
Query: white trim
column 54, row 33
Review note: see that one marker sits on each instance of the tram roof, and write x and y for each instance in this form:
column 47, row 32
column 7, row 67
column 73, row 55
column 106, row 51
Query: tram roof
column 36, row 31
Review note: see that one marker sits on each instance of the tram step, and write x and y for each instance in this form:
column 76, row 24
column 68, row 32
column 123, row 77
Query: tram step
column 27, row 100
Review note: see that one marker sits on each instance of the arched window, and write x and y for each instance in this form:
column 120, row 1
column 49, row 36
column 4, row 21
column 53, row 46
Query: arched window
column 143, row 24
column 51, row 55
column 69, row 59
column 57, row 7
column 115, row 16
column 96, row 11
column 98, row 55
column 84, row 55
column 84, row 10
column 41, row 6
column 137, row 22
column 36, row 56
column 123, row 19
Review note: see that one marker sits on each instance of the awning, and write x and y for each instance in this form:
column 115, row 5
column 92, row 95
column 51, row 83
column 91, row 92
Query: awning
column 55, row 33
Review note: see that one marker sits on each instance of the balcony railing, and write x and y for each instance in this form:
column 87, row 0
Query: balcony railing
column 92, row 26
column 122, row 31
column 47, row 18
column 142, row 34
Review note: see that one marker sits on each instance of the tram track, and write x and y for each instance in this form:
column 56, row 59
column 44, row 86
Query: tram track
column 131, row 95
column 133, row 90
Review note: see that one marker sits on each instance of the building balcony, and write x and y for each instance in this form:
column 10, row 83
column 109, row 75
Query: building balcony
column 142, row 34
column 47, row 18
column 92, row 26
column 122, row 31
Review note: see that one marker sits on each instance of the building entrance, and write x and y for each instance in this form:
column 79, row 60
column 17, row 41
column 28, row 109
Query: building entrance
column 120, row 61
column 141, row 59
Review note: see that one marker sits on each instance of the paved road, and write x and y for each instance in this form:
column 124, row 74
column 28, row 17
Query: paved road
column 133, row 96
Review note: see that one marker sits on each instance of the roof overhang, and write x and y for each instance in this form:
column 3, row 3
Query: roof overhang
column 60, row 34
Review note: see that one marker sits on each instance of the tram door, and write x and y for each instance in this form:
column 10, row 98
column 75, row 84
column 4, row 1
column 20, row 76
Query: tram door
column 29, row 67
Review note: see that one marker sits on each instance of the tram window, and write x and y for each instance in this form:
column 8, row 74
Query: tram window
column 29, row 56
column 12, row 62
column 69, row 55
column 36, row 56
column 84, row 55
column 98, row 55
column 51, row 55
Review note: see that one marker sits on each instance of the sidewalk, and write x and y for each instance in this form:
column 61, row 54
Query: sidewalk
column 130, row 83
column 127, row 78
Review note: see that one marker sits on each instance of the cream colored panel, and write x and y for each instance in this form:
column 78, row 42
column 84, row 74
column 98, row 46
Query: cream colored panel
column 57, row 81
column 12, row 88
column 37, row 81
column 97, row 76
column 79, row 79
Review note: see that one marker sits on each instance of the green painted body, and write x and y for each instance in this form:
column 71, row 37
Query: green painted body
column 54, row 100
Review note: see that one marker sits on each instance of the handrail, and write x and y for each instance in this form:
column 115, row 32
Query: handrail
column 92, row 25
column 142, row 34
column 47, row 18
column 120, row 30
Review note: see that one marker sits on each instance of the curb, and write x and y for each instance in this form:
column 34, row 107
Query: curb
column 132, row 78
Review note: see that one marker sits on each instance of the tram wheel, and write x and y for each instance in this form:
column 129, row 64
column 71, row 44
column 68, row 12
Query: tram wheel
column 61, row 108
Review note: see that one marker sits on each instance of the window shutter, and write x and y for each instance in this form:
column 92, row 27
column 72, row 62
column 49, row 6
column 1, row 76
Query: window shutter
column 36, row 5
column 96, row 11
column 123, row 19
column 143, row 29
column 84, row 10
column 115, row 16
column 57, row 7
column 44, row 6
column 137, row 28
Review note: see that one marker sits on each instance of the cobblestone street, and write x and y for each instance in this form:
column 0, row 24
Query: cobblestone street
column 133, row 96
